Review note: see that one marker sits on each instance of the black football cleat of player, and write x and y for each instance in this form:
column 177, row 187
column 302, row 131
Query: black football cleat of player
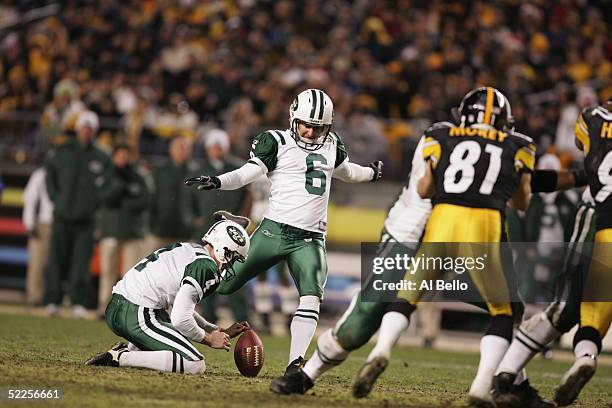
column 508, row 395
column 108, row 358
column 295, row 383
column 530, row 397
column 367, row 376
column 295, row 366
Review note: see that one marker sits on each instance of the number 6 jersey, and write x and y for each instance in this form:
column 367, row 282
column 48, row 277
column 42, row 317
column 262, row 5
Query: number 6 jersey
column 300, row 178
column 476, row 166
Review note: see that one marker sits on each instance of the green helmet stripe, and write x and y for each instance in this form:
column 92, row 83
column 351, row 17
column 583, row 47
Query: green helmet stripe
column 322, row 105
column 314, row 104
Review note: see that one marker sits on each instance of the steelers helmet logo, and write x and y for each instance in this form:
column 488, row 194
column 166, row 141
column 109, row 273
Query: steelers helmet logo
column 294, row 105
column 236, row 235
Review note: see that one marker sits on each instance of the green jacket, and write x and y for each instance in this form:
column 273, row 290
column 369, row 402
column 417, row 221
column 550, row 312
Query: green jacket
column 76, row 177
column 125, row 201
column 202, row 204
column 166, row 218
column 566, row 203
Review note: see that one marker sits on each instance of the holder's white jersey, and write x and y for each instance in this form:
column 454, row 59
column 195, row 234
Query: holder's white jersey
column 156, row 279
column 407, row 218
column 300, row 179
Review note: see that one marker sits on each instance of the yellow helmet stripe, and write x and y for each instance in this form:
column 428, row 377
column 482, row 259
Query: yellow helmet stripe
column 488, row 106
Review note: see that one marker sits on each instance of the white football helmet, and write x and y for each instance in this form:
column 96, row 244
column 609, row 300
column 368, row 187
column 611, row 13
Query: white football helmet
column 230, row 243
column 312, row 107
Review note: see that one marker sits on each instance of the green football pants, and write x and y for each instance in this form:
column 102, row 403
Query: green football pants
column 148, row 329
column 363, row 317
column 272, row 242
column 70, row 252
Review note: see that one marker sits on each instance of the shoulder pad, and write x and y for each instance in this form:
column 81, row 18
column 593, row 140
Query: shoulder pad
column 439, row 125
column 521, row 136
column 278, row 135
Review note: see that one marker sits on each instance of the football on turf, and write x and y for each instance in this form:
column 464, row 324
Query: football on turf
column 249, row 354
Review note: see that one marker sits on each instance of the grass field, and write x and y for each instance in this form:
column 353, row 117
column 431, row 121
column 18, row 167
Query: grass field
column 40, row 353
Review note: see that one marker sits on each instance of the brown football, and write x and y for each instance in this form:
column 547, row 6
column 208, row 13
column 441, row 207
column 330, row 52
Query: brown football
column 249, row 354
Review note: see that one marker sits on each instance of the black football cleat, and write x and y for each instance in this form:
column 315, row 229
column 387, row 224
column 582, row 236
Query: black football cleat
column 530, row 397
column 295, row 383
column 295, row 366
column 575, row 379
column 503, row 391
column 367, row 376
column 108, row 358
column 508, row 395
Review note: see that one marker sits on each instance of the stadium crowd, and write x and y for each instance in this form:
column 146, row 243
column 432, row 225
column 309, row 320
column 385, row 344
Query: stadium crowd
column 153, row 70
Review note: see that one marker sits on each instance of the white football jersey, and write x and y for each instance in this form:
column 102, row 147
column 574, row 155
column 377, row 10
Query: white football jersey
column 155, row 281
column 407, row 218
column 300, row 179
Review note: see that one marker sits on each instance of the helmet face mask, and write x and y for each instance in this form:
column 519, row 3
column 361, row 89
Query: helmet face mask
column 485, row 106
column 227, row 268
column 230, row 243
column 312, row 108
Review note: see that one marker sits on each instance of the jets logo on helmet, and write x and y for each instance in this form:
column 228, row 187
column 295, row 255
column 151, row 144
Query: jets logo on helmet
column 230, row 243
column 312, row 107
column 236, row 235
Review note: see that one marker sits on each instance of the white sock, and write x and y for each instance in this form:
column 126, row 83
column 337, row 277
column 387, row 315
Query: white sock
column 492, row 350
column 329, row 353
column 584, row 347
column 303, row 326
column 530, row 337
column 262, row 297
column 391, row 328
column 163, row 360
column 288, row 299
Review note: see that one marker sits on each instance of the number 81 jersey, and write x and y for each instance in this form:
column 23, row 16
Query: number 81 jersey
column 300, row 179
column 476, row 166
column 594, row 134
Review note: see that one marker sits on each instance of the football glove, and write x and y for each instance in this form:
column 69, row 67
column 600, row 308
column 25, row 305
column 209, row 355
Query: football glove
column 204, row 182
column 377, row 166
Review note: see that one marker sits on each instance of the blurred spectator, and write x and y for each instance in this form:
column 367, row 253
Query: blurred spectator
column 548, row 219
column 176, row 120
column 60, row 114
column 565, row 136
column 120, row 222
column 167, row 222
column 365, row 138
column 37, row 218
column 406, row 59
column 199, row 207
column 241, row 123
column 76, row 176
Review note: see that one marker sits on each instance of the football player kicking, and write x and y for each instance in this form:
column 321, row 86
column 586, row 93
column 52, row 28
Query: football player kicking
column 401, row 234
column 300, row 163
column 178, row 276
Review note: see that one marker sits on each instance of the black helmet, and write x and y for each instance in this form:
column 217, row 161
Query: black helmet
column 488, row 106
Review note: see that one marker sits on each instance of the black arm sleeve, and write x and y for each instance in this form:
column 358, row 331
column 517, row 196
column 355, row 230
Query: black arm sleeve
column 544, row 181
